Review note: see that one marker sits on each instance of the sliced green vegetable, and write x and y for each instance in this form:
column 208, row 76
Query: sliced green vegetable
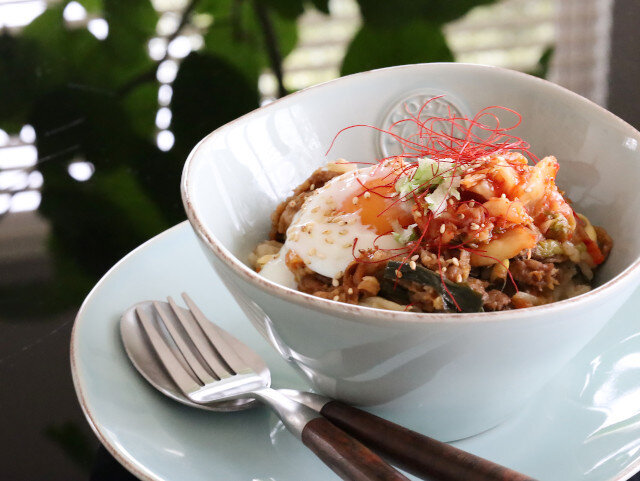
column 548, row 248
column 559, row 227
column 425, row 175
column 442, row 175
column 404, row 236
column 467, row 299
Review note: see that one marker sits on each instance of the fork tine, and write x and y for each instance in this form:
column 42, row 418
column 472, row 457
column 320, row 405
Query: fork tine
column 192, row 361
column 180, row 376
column 199, row 340
column 216, row 337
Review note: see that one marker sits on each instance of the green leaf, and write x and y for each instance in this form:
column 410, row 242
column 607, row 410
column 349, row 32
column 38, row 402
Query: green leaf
column 98, row 221
column 141, row 105
column 74, row 57
column 131, row 24
column 92, row 6
column 239, row 37
column 207, row 93
column 290, row 9
column 399, row 12
column 97, row 128
column 541, row 69
column 321, row 5
column 64, row 53
column 376, row 47
column 19, row 80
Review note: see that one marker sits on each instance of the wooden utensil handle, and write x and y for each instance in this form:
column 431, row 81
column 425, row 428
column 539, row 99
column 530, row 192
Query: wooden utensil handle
column 420, row 455
column 348, row 458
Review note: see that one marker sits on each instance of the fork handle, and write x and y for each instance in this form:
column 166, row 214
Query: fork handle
column 348, row 458
column 417, row 454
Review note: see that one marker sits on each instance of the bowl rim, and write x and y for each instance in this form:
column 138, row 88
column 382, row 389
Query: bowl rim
column 369, row 314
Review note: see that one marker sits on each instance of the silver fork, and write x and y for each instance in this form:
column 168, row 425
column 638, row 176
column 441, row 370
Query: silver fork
column 206, row 366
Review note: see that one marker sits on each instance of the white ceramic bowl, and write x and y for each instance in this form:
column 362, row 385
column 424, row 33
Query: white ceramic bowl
column 464, row 372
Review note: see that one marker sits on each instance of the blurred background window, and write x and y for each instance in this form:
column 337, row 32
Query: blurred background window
column 511, row 33
column 566, row 41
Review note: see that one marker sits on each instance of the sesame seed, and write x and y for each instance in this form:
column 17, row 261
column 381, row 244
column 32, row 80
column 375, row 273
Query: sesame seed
column 354, row 200
column 418, row 213
column 348, row 244
column 326, row 232
column 503, row 196
column 313, row 186
column 342, row 232
column 312, row 251
column 472, row 204
column 455, row 261
column 461, row 216
column 474, row 226
column 342, row 222
column 335, row 282
column 328, row 240
column 444, row 269
column 339, row 275
column 528, row 253
column 473, row 246
column 350, row 291
column 442, row 229
column 336, row 298
column 367, row 194
column 459, row 278
column 415, row 258
column 398, row 274
column 315, row 209
column 412, row 265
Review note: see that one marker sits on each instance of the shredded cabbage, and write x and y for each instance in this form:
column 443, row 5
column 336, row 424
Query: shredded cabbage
column 404, row 236
column 430, row 173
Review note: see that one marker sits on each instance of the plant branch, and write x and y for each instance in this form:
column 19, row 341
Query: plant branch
column 271, row 42
column 150, row 74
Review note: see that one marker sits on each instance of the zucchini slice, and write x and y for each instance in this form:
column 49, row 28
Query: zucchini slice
column 466, row 298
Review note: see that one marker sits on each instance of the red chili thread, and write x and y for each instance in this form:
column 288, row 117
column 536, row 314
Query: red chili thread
column 463, row 142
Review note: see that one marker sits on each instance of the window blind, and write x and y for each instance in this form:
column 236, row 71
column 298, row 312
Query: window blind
column 581, row 59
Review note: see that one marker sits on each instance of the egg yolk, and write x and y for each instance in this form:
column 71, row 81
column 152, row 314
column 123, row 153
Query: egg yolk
column 380, row 208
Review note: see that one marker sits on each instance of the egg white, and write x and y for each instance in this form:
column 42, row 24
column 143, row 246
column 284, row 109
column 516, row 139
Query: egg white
column 323, row 237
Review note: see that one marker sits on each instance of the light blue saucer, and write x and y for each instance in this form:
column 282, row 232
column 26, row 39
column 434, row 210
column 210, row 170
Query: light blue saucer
column 584, row 425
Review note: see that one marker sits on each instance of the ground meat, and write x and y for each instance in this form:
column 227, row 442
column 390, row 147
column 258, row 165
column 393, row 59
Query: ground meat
column 283, row 215
column 492, row 299
column 424, row 298
column 360, row 279
column 535, row 274
column 455, row 265
column 496, row 300
column 478, row 285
